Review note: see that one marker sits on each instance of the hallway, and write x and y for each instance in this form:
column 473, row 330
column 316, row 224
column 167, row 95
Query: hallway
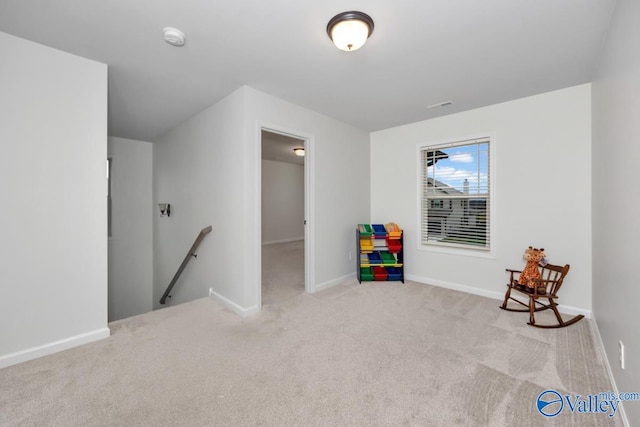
column 282, row 272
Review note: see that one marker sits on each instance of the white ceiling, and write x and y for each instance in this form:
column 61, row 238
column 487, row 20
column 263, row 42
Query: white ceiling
column 421, row 52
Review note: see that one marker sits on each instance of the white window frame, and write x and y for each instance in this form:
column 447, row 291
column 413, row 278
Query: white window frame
column 460, row 249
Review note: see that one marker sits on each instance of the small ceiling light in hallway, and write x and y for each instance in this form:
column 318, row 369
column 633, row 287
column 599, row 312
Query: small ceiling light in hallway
column 349, row 31
column 299, row 151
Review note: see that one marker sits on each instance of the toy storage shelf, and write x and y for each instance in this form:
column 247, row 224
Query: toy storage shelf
column 380, row 253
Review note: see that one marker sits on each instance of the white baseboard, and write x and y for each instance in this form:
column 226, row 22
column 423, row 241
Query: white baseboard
column 600, row 344
column 326, row 285
column 489, row 294
column 239, row 310
column 54, row 347
column 455, row 286
column 567, row 309
column 275, row 242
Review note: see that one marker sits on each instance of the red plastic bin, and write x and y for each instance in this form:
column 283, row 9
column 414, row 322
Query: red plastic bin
column 394, row 245
column 379, row 273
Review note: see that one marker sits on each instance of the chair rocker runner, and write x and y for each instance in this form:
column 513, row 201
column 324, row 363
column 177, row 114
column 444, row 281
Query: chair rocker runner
column 546, row 288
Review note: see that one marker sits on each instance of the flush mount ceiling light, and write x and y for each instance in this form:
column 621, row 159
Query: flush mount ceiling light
column 173, row 36
column 349, row 31
column 299, row 151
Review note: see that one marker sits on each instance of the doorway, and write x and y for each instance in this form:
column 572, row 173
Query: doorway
column 284, row 237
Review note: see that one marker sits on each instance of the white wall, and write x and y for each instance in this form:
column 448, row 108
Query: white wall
column 338, row 160
column 616, row 207
column 53, row 128
column 282, row 202
column 542, row 190
column 198, row 169
column 209, row 169
column 131, row 240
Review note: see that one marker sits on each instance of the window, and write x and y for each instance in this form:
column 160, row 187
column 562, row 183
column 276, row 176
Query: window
column 455, row 199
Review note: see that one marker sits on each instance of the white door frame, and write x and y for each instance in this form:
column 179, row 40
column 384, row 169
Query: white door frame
column 309, row 204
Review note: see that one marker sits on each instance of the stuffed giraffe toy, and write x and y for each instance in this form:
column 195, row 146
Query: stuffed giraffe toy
column 531, row 272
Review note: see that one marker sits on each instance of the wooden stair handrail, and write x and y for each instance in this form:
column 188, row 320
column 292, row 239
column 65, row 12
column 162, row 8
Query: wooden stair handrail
column 186, row 260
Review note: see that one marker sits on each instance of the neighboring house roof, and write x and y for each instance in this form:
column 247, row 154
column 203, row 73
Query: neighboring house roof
column 442, row 187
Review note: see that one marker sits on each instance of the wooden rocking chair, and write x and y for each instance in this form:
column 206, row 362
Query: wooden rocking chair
column 546, row 288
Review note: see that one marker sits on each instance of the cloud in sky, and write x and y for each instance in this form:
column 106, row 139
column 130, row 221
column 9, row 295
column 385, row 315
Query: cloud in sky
column 455, row 177
column 464, row 168
column 462, row 158
column 449, row 173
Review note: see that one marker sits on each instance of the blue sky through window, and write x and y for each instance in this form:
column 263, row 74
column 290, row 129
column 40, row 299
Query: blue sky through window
column 467, row 162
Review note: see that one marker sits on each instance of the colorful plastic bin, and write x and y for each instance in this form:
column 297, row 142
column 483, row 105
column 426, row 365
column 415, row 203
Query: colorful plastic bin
column 379, row 273
column 388, row 258
column 375, row 258
column 393, row 230
column 393, row 245
column 393, row 273
column 366, row 244
column 365, row 229
column 379, row 230
column 366, row 274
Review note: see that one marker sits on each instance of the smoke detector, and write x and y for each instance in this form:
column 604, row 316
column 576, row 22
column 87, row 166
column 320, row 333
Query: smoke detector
column 173, row 36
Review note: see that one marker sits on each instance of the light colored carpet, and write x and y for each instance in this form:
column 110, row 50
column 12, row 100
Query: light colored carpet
column 282, row 272
column 365, row 355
